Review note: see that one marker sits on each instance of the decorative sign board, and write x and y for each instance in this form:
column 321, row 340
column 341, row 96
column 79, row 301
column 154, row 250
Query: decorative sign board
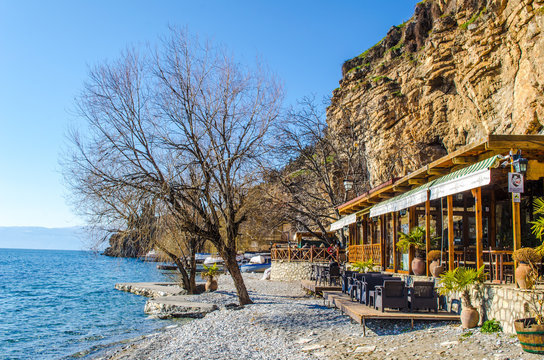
column 516, row 197
column 515, row 182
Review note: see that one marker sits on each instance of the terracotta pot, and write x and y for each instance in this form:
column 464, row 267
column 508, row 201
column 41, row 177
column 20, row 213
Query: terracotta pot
column 469, row 317
column 211, row 284
column 530, row 335
column 523, row 278
column 436, row 269
column 418, row 266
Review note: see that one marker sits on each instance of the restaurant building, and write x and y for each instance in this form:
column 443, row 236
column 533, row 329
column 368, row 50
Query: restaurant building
column 465, row 203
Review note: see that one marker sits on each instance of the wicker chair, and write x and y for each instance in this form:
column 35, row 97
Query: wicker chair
column 422, row 295
column 393, row 294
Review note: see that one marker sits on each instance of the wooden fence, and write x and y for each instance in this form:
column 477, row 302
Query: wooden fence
column 311, row 254
column 365, row 252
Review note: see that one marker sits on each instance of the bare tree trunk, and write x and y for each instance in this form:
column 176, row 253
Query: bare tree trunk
column 234, row 270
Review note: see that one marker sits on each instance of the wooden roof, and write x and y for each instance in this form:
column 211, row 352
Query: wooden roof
column 532, row 147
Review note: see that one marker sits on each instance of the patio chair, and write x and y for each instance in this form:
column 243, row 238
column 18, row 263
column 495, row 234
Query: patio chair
column 353, row 282
column 346, row 277
column 330, row 273
column 369, row 283
column 393, row 294
column 423, row 296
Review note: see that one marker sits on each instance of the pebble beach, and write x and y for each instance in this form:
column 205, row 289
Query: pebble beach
column 286, row 323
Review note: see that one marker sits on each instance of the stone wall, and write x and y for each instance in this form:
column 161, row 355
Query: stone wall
column 504, row 303
column 290, row 271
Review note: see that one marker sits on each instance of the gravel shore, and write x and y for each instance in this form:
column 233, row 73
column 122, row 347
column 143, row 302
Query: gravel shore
column 285, row 323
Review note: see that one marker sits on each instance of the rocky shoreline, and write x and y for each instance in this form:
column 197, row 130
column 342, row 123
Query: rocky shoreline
column 285, row 323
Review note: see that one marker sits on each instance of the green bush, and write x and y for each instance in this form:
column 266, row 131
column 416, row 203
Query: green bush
column 491, row 326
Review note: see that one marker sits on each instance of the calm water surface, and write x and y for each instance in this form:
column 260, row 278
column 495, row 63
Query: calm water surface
column 54, row 304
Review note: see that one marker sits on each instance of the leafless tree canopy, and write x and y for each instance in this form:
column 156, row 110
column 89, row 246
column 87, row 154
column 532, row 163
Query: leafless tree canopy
column 183, row 127
column 310, row 187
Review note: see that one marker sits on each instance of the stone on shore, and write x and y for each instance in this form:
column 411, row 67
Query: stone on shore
column 177, row 306
column 152, row 289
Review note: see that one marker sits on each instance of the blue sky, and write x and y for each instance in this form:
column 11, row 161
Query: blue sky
column 46, row 48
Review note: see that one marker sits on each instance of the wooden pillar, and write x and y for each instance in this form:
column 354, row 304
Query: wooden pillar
column 516, row 226
column 451, row 255
column 411, row 224
column 364, row 222
column 492, row 230
column 428, row 229
column 477, row 193
column 395, row 233
column 382, row 240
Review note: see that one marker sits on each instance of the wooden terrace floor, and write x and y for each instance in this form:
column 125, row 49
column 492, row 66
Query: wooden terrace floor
column 310, row 285
column 360, row 313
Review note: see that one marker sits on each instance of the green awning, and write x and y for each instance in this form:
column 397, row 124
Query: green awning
column 402, row 201
column 469, row 178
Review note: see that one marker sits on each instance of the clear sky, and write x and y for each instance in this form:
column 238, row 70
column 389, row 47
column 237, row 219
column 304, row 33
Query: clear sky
column 46, row 48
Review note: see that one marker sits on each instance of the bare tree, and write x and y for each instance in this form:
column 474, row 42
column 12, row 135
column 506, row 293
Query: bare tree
column 309, row 187
column 184, row 128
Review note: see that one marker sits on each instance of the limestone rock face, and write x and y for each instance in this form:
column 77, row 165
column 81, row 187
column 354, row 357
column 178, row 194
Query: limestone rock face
column 455, row 72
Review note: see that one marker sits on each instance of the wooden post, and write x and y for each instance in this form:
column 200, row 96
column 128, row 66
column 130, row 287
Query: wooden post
column 493, row 221
column 382, row 240
column 312, row 253
column 451, row 255
column 477, row 193
column 365, row 230
column 428, row 229
column 395, row 233
column 289, row 252
column 516, row 225
column 411, row 224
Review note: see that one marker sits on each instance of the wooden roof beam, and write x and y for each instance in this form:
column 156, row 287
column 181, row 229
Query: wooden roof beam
column 438, row 171
column 417, row 181
column 463, row 160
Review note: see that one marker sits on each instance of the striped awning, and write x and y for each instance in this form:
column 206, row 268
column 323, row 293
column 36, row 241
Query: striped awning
column 469, row 178
column 345, row 221
column 402, row 201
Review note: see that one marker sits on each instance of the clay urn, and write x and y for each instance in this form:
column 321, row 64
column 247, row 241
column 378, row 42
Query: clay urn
column 436, row 269
column 523, row 278
column 469, row 317
column 418, row 266
column 211, row 284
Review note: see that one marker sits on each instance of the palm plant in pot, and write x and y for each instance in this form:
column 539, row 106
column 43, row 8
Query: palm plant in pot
column 211, row 273
column 526, row 271
column 462, row 280
column 363, row 266
column 413, row 240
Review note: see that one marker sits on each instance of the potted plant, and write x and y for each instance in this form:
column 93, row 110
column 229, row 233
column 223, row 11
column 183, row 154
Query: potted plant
column 530, row 331
column 413, row 240
column 210, row 273
column 363, row 266
column 526, row 272
column 461, row 280
column 435, row 267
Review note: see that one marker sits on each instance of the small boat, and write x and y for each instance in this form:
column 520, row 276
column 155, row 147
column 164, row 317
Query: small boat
column 167, row 267
column 210, row 260
column 257, row 264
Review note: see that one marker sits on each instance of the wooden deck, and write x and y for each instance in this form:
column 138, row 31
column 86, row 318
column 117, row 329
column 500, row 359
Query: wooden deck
column 360, row 313
column 310, row 285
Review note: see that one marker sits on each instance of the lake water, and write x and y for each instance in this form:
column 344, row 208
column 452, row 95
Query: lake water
column 56, row 304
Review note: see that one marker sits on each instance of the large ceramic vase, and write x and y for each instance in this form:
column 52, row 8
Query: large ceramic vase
column 469, row 317
column 436, row 269
column 418, row 266
column 523, row 278
column 530, row 335
column 211, row 284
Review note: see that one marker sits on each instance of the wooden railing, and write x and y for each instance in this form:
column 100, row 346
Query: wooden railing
column 311, row 254
column 365, row 252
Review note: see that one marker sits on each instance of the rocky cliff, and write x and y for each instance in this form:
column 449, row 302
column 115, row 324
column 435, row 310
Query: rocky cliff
column 456, row 71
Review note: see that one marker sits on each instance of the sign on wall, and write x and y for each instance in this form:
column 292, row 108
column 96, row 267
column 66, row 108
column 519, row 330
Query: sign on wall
column 515, row 182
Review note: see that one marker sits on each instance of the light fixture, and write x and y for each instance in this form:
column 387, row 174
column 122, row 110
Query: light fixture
column 519, row 163
column 348, row 184
column 402, row 212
